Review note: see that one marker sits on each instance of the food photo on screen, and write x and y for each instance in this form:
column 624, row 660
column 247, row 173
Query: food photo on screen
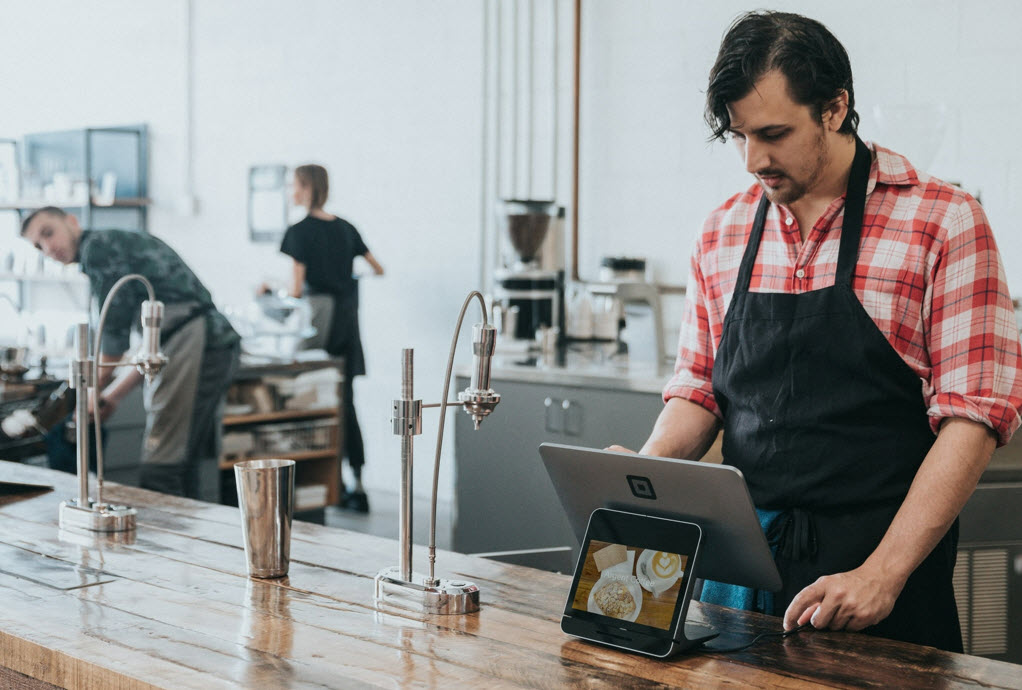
column 635, row 585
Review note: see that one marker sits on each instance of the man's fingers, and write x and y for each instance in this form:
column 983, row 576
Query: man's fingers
column 807, row 615
column 619, row 449
column 844, row 601
column 840, row 620
column 802, row 606
column 826, row 614
column 861, row 620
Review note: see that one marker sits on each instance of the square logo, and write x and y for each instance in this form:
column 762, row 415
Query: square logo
column 641, row 487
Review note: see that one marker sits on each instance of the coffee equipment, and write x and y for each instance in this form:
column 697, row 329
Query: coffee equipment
column 596, row 310
column 623, row 269
column 13, row 363
column 622, row 307
column 531, row 282
column 609, row 308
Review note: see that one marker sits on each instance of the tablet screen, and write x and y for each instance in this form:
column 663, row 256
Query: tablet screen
column 632, row 581
column 623, row 581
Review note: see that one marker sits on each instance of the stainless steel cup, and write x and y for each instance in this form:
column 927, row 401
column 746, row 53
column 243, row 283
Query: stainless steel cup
column 266, row 492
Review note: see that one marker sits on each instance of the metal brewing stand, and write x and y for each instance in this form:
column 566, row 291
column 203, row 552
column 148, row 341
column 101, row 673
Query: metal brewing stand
column 82, row 512
column 400, row 586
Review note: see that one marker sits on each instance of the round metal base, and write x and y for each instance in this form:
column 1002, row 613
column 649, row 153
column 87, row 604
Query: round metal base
column 96, row 517
column 446, row 597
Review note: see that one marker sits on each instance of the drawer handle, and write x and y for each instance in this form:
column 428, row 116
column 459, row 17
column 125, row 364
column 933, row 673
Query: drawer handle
column 553, row 420
column 572, row 421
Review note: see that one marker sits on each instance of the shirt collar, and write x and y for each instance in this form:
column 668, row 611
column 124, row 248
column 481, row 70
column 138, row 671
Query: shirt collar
column 890, row 168
column 81, row 241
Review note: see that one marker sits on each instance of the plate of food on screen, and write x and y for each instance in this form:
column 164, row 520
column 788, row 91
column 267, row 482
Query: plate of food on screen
column 616, row 598
column 616, row 593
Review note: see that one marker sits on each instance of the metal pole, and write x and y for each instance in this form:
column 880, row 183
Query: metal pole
column 484, row 207
column 514, row 100
column 405, row 526
column 79, row 376
column 576, row 89
column 556, row 82
column 532, row 99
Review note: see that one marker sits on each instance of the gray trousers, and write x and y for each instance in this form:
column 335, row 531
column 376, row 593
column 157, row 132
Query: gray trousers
column 184, row 409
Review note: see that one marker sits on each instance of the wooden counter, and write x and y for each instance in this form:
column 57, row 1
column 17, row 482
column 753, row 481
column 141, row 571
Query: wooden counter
column 171, row 607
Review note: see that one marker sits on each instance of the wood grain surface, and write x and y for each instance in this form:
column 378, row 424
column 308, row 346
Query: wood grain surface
column 170, row 606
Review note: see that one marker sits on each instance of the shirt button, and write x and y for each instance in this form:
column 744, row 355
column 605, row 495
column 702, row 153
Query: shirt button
column 800, row 273
column 789, row 220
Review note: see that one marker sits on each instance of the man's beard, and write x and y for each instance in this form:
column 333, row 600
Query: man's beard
column 796, row 189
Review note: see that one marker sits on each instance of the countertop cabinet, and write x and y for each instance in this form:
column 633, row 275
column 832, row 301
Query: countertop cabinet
column 504, row 499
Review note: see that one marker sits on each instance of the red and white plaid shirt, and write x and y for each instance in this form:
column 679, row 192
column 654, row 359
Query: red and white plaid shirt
column 929, row 274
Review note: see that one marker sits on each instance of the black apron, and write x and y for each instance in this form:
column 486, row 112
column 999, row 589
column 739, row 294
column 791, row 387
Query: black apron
column 829, row 426
column 344, row 338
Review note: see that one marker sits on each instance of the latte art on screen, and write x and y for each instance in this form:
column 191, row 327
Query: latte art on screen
column 665, row 565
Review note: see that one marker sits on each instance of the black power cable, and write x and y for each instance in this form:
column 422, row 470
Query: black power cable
column 757, row 638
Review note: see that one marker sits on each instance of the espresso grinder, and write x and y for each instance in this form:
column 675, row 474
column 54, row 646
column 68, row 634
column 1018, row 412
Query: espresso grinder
column 529, row 287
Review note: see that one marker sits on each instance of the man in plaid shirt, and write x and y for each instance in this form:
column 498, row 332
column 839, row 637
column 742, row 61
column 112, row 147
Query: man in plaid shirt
column 849, row 327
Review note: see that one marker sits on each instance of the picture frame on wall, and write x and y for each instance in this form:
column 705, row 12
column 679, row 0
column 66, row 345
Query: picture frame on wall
column 267, row 202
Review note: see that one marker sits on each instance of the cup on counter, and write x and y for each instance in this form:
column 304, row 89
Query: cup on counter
column 266, row 490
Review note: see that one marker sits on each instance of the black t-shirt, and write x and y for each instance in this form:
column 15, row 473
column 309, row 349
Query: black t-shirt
column 327, row 248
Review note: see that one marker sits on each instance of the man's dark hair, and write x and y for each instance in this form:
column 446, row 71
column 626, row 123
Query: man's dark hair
column 813, row 60
column 49, row 210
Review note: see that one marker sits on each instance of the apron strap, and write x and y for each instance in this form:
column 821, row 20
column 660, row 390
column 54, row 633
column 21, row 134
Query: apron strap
column 855, row 204
column 749, row 258
column 200, row 310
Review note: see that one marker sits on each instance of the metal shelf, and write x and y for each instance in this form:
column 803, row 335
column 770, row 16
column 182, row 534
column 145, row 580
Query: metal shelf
column 25, row 205
column 43, row 278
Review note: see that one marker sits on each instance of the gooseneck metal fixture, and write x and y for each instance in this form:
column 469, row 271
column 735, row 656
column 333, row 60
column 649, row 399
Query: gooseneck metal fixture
column 82, row 512
column 399, row 585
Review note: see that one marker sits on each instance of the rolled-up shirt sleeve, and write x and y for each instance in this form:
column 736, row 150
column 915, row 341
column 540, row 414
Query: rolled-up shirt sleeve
column 973, row 337
column 693, row 368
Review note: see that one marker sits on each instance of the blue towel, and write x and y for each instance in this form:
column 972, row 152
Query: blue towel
column 744, row 598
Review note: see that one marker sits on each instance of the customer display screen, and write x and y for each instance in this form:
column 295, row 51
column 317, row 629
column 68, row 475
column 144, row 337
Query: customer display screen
column 631, row 584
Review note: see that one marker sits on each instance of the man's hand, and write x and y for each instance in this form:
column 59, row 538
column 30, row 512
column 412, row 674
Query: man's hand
column 619, row 449
column 107, row 406
column 865, row 596
column 853, row 600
